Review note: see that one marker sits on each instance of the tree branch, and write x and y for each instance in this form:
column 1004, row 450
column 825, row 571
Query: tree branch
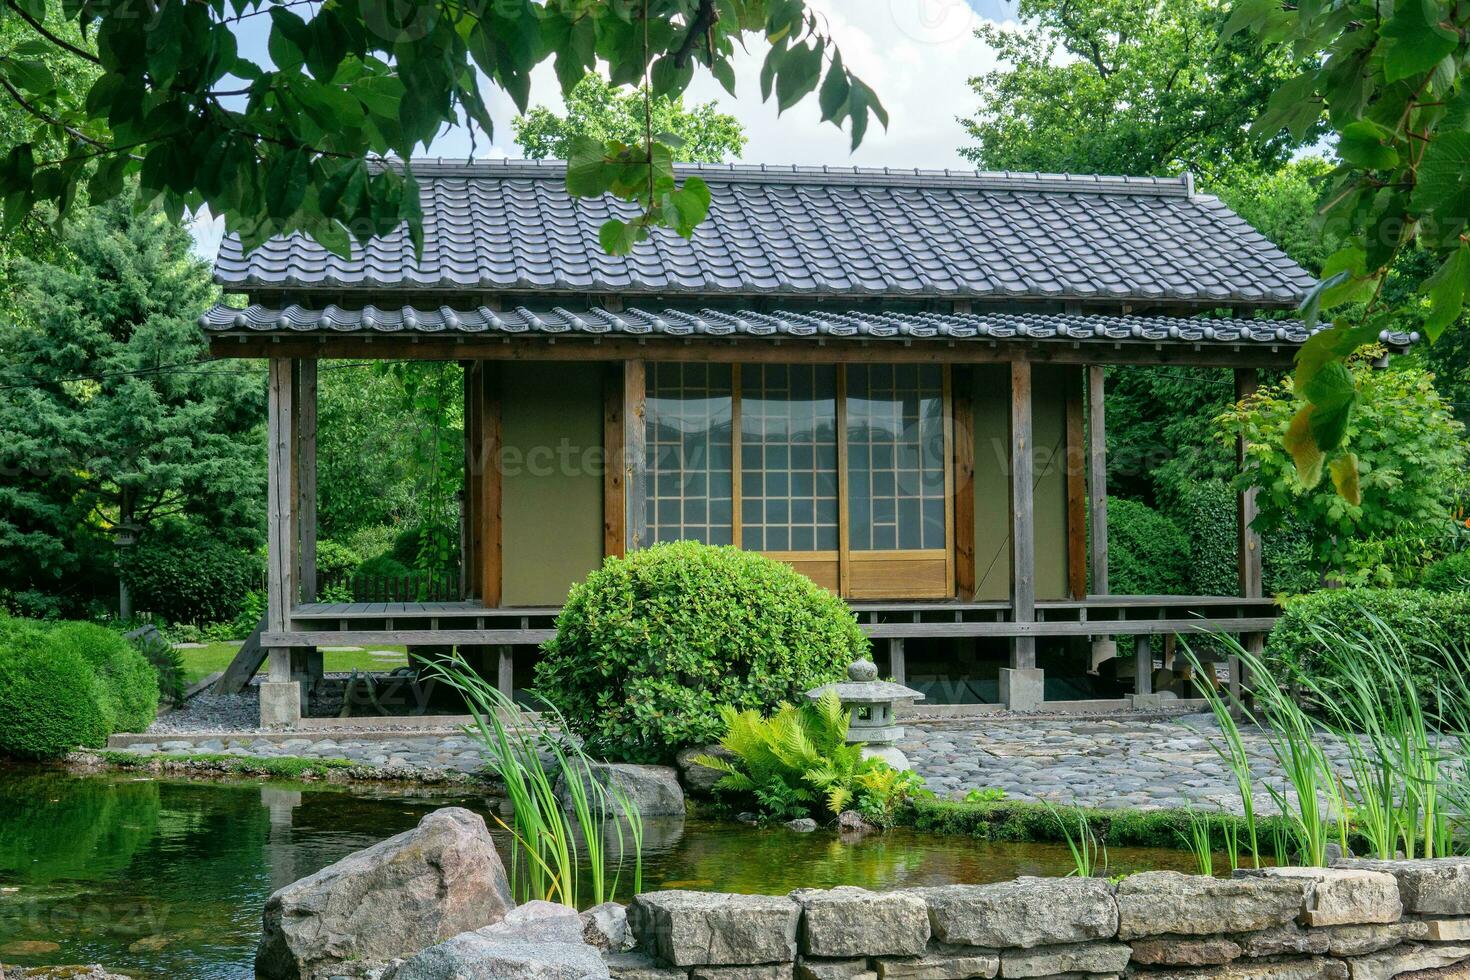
column 705, row 18
column 40, row 29
column 21, row 100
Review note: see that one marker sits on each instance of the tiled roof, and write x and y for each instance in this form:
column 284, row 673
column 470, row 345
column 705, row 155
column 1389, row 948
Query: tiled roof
column 778, row 323
column 496, row 227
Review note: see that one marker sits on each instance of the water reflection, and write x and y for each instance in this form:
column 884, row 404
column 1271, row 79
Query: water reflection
column 165, row 879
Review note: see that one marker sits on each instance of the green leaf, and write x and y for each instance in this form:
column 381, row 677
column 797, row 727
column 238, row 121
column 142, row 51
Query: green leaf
column 290, row 39
column 587, row 168
column 1446, row 289
column 1361, row 144
column 618, row 237
column 833, row 97
column 1303, row 448
column 1344, row 471
column 1413, row 42
column 691, row 204
column 285, row 184
column 1443, row 189
column 1329, row 425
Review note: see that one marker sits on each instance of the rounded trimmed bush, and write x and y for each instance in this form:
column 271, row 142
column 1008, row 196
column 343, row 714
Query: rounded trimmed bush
column 50, row 699
column 129, row 680
column 650, row 645
column 188, row 577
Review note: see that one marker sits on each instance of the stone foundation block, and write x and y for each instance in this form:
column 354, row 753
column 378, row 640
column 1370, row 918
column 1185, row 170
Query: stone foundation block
column 1341, row 896
column 1357, row 940
column 688, row 928
column 941, row 965
column 1406, row 959
column 856, row 922
column 808, row 968
column 280, row 704
column 1047, row 961
column 1022, row 688
column 1432, row 886
column 1022, row 913
column 1157, row 903
column 1189, row 951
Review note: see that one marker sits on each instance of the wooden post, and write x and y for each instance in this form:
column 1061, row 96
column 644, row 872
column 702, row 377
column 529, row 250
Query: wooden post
column 897, row 667
column 505, row 670
column 491, row 440
column 964, row 482
column 1097, row 478
column 1143, row 665
column 614, row 500
column 473, row 469
column 1248, row 546
column 1076, row 486
column 635, row 402
column 306, row 428
column 280, row 697
column 1023, row 525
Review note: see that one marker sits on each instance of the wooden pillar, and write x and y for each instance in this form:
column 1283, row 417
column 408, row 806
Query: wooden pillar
column 473, row 470
column 1248, row 550
column 635, row 401
column 1023, row 524
column 1097, row 478
column 897, row 667
column 1248, row 543
column 1143, row 665
column 505, row 670
column 963, row 398
column 280, row 697
column 306, row 472
column 1076, row 485
column 489, row 537
column 614, row 471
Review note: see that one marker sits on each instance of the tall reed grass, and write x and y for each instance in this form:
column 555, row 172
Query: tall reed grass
column 594, row 834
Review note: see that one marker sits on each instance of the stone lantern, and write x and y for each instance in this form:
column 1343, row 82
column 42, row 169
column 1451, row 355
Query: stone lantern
column 869, row 702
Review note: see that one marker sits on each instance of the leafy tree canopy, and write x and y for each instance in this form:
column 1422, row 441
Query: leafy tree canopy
column 1390, row 81
column 303, row 140
column 1122, row 87
column 110, row 414
column 602, row 113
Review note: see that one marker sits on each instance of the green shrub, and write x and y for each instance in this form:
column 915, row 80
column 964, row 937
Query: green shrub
column 1450, row 574
column 383, row 566
column 1423, row 621
column 167, row 662
column 1147, row 553
column 189, row 578
column 335, row 559
column 1205, row 513
column 650, row 645
column 51, row 701
column 128, row 679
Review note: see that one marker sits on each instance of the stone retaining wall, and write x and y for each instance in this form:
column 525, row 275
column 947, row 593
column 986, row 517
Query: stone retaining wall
column 1361, row 920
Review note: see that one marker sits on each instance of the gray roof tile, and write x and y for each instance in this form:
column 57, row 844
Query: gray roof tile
column 695, row 321
column 510, row 226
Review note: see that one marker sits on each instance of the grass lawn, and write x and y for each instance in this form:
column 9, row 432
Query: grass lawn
column 202, row 661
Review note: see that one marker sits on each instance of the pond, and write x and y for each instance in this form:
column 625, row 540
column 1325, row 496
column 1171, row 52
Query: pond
column 165, row 879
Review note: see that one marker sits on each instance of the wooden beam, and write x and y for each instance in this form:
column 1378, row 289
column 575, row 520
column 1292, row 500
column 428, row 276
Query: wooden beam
column 1248, row 541
column 635, row 401
column 1076, row 486
column 1023, row 520
column 491, row 441
column 280, row 509
column 1097, row 477
column 750, row 350
column 614, row 500
column 306, row 473
column 964, row 482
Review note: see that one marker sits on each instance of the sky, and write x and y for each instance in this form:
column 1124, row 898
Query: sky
column 917, row 54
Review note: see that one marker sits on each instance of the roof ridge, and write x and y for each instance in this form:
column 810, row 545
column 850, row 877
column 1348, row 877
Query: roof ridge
column 500, row 167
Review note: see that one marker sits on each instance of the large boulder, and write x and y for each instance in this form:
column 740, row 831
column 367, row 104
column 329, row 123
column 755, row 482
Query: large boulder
column 476, row 956
column 393, row 899
column 700, row 780
column 689, row 928
column 651, row 790
column 1159, row 903
column 1022, row 913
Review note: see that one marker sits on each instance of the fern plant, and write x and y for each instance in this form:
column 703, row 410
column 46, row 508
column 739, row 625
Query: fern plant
column 804, row 748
